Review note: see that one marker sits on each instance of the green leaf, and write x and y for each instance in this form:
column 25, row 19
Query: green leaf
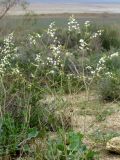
column 1, row 123
column 26, row 148
column 32, row 133
column 61, row 147
column 75, row 140
column 90, row 155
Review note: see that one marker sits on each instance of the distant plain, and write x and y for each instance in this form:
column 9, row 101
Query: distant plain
column 41, row 8
column 37, row 17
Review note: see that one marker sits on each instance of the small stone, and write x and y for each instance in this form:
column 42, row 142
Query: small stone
column 113, row 145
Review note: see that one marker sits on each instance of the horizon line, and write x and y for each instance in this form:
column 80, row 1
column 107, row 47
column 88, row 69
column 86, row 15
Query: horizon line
column 74, row 2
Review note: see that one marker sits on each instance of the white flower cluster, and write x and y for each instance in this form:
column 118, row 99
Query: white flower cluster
column 32, row 38
column 8, row 53
column 38, row 58
column 101, row 66
column 83, row 45
column 39, row 61
column 114, row 55
column 55, row 49
column 68, row 54
column 16, row 70
column 73, row 25
column 109, row 74
column 72, row 75
column 97, row 34
column 8, row 45
column 89, row 68
column 87, row 24
column 54, row 61
column 4, row 62
column 51, row 30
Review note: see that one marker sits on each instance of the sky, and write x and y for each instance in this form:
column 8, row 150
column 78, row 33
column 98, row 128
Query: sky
column 75, row 1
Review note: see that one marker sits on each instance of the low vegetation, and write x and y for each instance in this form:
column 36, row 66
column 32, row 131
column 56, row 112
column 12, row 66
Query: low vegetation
column 38, row 72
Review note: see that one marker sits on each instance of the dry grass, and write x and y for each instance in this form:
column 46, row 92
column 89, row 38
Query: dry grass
column 85, row 118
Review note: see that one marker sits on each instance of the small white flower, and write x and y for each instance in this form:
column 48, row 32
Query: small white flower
column 73, row 25
column 51, row 30
column 52, row 72
column 114, row 55
column 81, row 41
column 87, row 23
column 83, row 45
column 89, row 67
column 68, row 54
column 93, row 72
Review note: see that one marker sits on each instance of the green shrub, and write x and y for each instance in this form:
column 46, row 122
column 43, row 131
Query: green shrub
column 108, row 77
column 68, row 146
column 36, row 66
column 110, row 38
column 14, row 135
column 45, row 117
column 109, row 88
